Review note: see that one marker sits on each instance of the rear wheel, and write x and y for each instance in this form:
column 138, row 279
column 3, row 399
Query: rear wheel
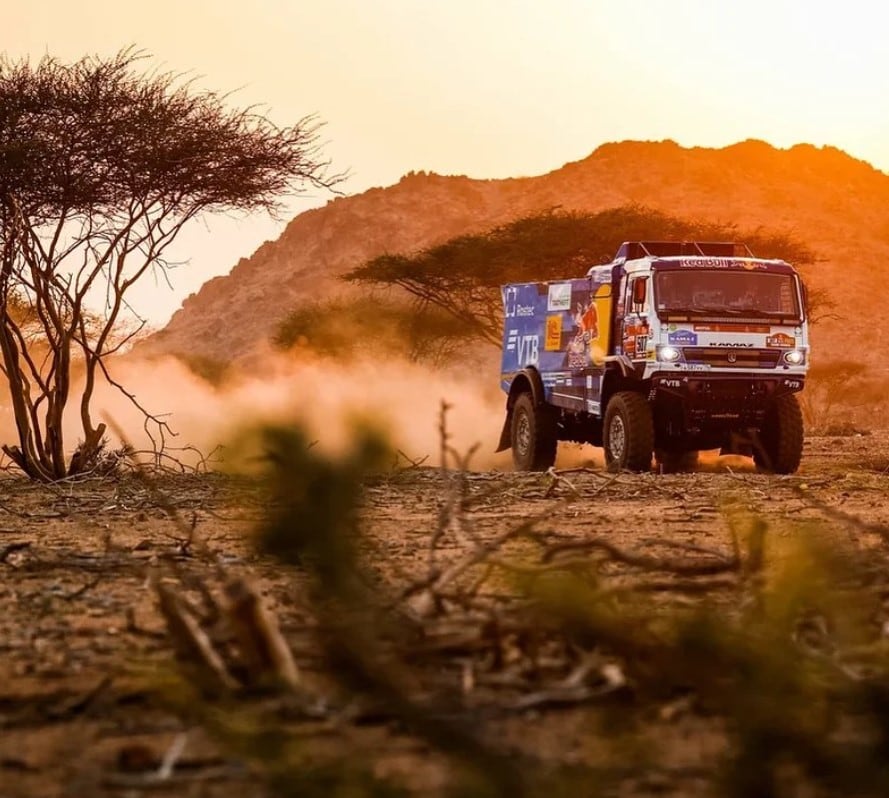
column 628, row 433
column 780, row 446
column 533, row 435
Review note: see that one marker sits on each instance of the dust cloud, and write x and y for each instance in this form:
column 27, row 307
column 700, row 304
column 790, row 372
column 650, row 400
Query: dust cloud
column 400, row 398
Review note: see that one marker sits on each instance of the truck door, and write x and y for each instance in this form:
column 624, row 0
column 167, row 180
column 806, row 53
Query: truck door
column 635, row 328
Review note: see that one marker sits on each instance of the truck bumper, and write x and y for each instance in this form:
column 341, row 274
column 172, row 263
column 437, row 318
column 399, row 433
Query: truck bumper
column 692, row 403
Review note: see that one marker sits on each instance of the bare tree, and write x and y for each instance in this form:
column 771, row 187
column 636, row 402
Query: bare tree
column 101, row 166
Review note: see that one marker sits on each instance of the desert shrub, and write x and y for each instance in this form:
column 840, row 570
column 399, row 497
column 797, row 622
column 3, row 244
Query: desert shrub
column 371, row 325
column 844, row 429
column 210, row 369
column 843, row 396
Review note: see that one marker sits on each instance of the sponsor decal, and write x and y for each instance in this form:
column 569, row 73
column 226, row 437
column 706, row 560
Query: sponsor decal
column 529, row 349
column 512, row 336
column 553, row 342
column 720, row 263
column 732, row 343
column 682, row 337
column 581, row 348
column 635, row 339
column 793, row 384
column 734, row 328
column 524, row 310
column 781, row 340
column 671, row 383
column 559, row 296
column 510, row 299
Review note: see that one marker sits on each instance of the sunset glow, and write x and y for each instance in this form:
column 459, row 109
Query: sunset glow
column 491, row 88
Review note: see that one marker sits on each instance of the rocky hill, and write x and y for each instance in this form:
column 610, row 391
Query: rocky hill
column 835, row 203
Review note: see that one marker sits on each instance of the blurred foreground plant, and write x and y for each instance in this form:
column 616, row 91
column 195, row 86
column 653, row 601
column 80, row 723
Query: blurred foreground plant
column 781, row 651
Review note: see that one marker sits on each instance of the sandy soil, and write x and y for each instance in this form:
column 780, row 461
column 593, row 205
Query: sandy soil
column 83, row 647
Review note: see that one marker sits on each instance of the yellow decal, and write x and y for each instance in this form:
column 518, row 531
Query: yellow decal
column 553, row 341
column 599, row 346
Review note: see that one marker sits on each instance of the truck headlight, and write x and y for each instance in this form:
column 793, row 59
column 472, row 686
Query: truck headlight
column 668, row 354
column 794, row 357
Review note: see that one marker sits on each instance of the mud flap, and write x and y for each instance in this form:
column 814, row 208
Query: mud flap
column 506, row 434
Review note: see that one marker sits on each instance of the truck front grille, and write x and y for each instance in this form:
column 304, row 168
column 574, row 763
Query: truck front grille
column 734, row 358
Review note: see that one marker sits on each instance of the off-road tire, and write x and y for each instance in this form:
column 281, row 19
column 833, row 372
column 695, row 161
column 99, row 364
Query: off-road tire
column 676, row 462
column 780, row 445
column 628, row 433
column 532, row 435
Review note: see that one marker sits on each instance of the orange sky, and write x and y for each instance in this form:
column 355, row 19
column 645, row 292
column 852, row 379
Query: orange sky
column 492, row 88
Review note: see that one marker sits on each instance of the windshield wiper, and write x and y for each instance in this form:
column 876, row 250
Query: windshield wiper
column 709, row 310
column 714, row 310
column 768, row 314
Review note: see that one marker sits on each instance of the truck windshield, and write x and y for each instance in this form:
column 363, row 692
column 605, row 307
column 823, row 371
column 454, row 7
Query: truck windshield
column 710, row 292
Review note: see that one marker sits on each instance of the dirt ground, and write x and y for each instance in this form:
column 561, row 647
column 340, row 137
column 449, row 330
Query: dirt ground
column 83, row 647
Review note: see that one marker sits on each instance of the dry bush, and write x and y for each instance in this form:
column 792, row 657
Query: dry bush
column 842, row 398
column 372, row 325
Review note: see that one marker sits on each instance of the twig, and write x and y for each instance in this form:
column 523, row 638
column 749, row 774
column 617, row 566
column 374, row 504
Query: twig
column 423, row 601
column 644, row 561
column 190, row 641
column 11, row 549
column 83, row 589
column 557, row 479
column 838, row 515
column 171, row 757
column 263, row 647
column 22, row 514
column 414, row 463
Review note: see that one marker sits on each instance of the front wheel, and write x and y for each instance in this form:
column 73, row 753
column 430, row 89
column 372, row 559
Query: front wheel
column 628, row 433
column 780, row 445
column 533, row 435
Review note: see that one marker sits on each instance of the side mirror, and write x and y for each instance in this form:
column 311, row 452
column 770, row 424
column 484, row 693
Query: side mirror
column 639, row 289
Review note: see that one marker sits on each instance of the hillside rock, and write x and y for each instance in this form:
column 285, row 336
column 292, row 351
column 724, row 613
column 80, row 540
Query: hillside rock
column 833, row 202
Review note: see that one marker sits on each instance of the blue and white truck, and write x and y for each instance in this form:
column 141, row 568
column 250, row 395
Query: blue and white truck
column 671, row 348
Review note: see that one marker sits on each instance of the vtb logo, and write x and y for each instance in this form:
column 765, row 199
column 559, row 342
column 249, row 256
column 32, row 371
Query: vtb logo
column 529, row 349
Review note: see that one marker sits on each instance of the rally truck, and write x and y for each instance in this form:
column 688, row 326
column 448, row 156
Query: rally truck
column 671, row 348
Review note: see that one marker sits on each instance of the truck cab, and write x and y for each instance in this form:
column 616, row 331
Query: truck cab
column 671, row 348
